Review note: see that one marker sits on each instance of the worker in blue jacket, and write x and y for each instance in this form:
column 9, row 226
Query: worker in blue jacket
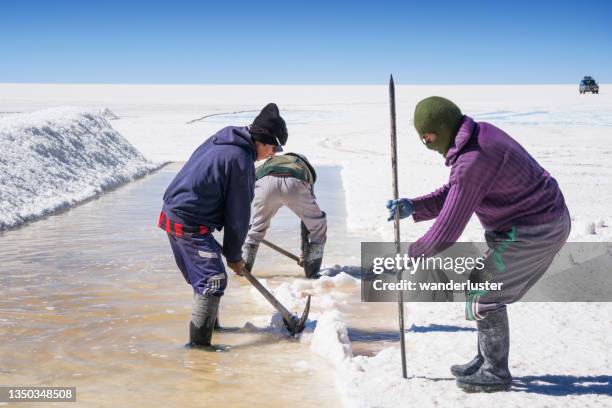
column 213, row 191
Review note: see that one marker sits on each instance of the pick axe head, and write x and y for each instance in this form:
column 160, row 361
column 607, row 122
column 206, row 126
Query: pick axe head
column 296, row 326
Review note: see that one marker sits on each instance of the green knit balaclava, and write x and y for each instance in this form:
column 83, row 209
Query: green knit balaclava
column 440, row 116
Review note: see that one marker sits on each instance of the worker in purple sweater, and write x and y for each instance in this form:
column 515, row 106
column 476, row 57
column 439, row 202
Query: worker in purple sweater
column 518, row 203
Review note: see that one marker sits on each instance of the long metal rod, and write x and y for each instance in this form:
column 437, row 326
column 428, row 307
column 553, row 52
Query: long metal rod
column 280, row 250
column 396, row 225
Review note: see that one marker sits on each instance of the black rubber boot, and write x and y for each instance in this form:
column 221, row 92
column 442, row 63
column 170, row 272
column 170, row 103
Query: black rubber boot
column 313, row 257
column 459, row 370
column 203, row 317
column 249, row 252
column 470, row 368
column 494, row 344
column 217, row 325
column 311, row 269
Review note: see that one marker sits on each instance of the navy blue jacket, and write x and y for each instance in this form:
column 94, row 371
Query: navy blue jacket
column 215, row 188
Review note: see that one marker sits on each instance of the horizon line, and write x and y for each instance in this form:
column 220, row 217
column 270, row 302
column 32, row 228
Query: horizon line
column 291, row 84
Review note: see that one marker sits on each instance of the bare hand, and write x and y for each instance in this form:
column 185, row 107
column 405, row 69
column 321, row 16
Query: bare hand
column 237, row 267
column 301, row 261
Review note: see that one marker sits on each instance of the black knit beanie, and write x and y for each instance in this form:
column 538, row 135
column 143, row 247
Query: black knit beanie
column 268, row 127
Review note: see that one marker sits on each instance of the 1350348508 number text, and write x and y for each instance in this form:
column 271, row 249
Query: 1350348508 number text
column 34, row 394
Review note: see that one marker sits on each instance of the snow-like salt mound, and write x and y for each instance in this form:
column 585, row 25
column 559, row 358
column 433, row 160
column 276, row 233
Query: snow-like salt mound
column 55, row 158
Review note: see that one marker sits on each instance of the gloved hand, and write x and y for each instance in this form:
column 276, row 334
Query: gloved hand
column 405, row 208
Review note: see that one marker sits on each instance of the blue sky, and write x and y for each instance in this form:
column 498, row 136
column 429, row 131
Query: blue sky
column 305, row 42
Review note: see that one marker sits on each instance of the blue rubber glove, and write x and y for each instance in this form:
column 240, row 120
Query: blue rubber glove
column 405, row 208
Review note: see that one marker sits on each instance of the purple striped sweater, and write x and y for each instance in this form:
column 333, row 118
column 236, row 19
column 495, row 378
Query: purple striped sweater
column 493, row 176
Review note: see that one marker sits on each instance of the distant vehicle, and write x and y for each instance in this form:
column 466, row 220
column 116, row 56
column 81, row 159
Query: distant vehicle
column 588, row 84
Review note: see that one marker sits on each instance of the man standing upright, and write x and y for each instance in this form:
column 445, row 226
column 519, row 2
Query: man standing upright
column 213, row 191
